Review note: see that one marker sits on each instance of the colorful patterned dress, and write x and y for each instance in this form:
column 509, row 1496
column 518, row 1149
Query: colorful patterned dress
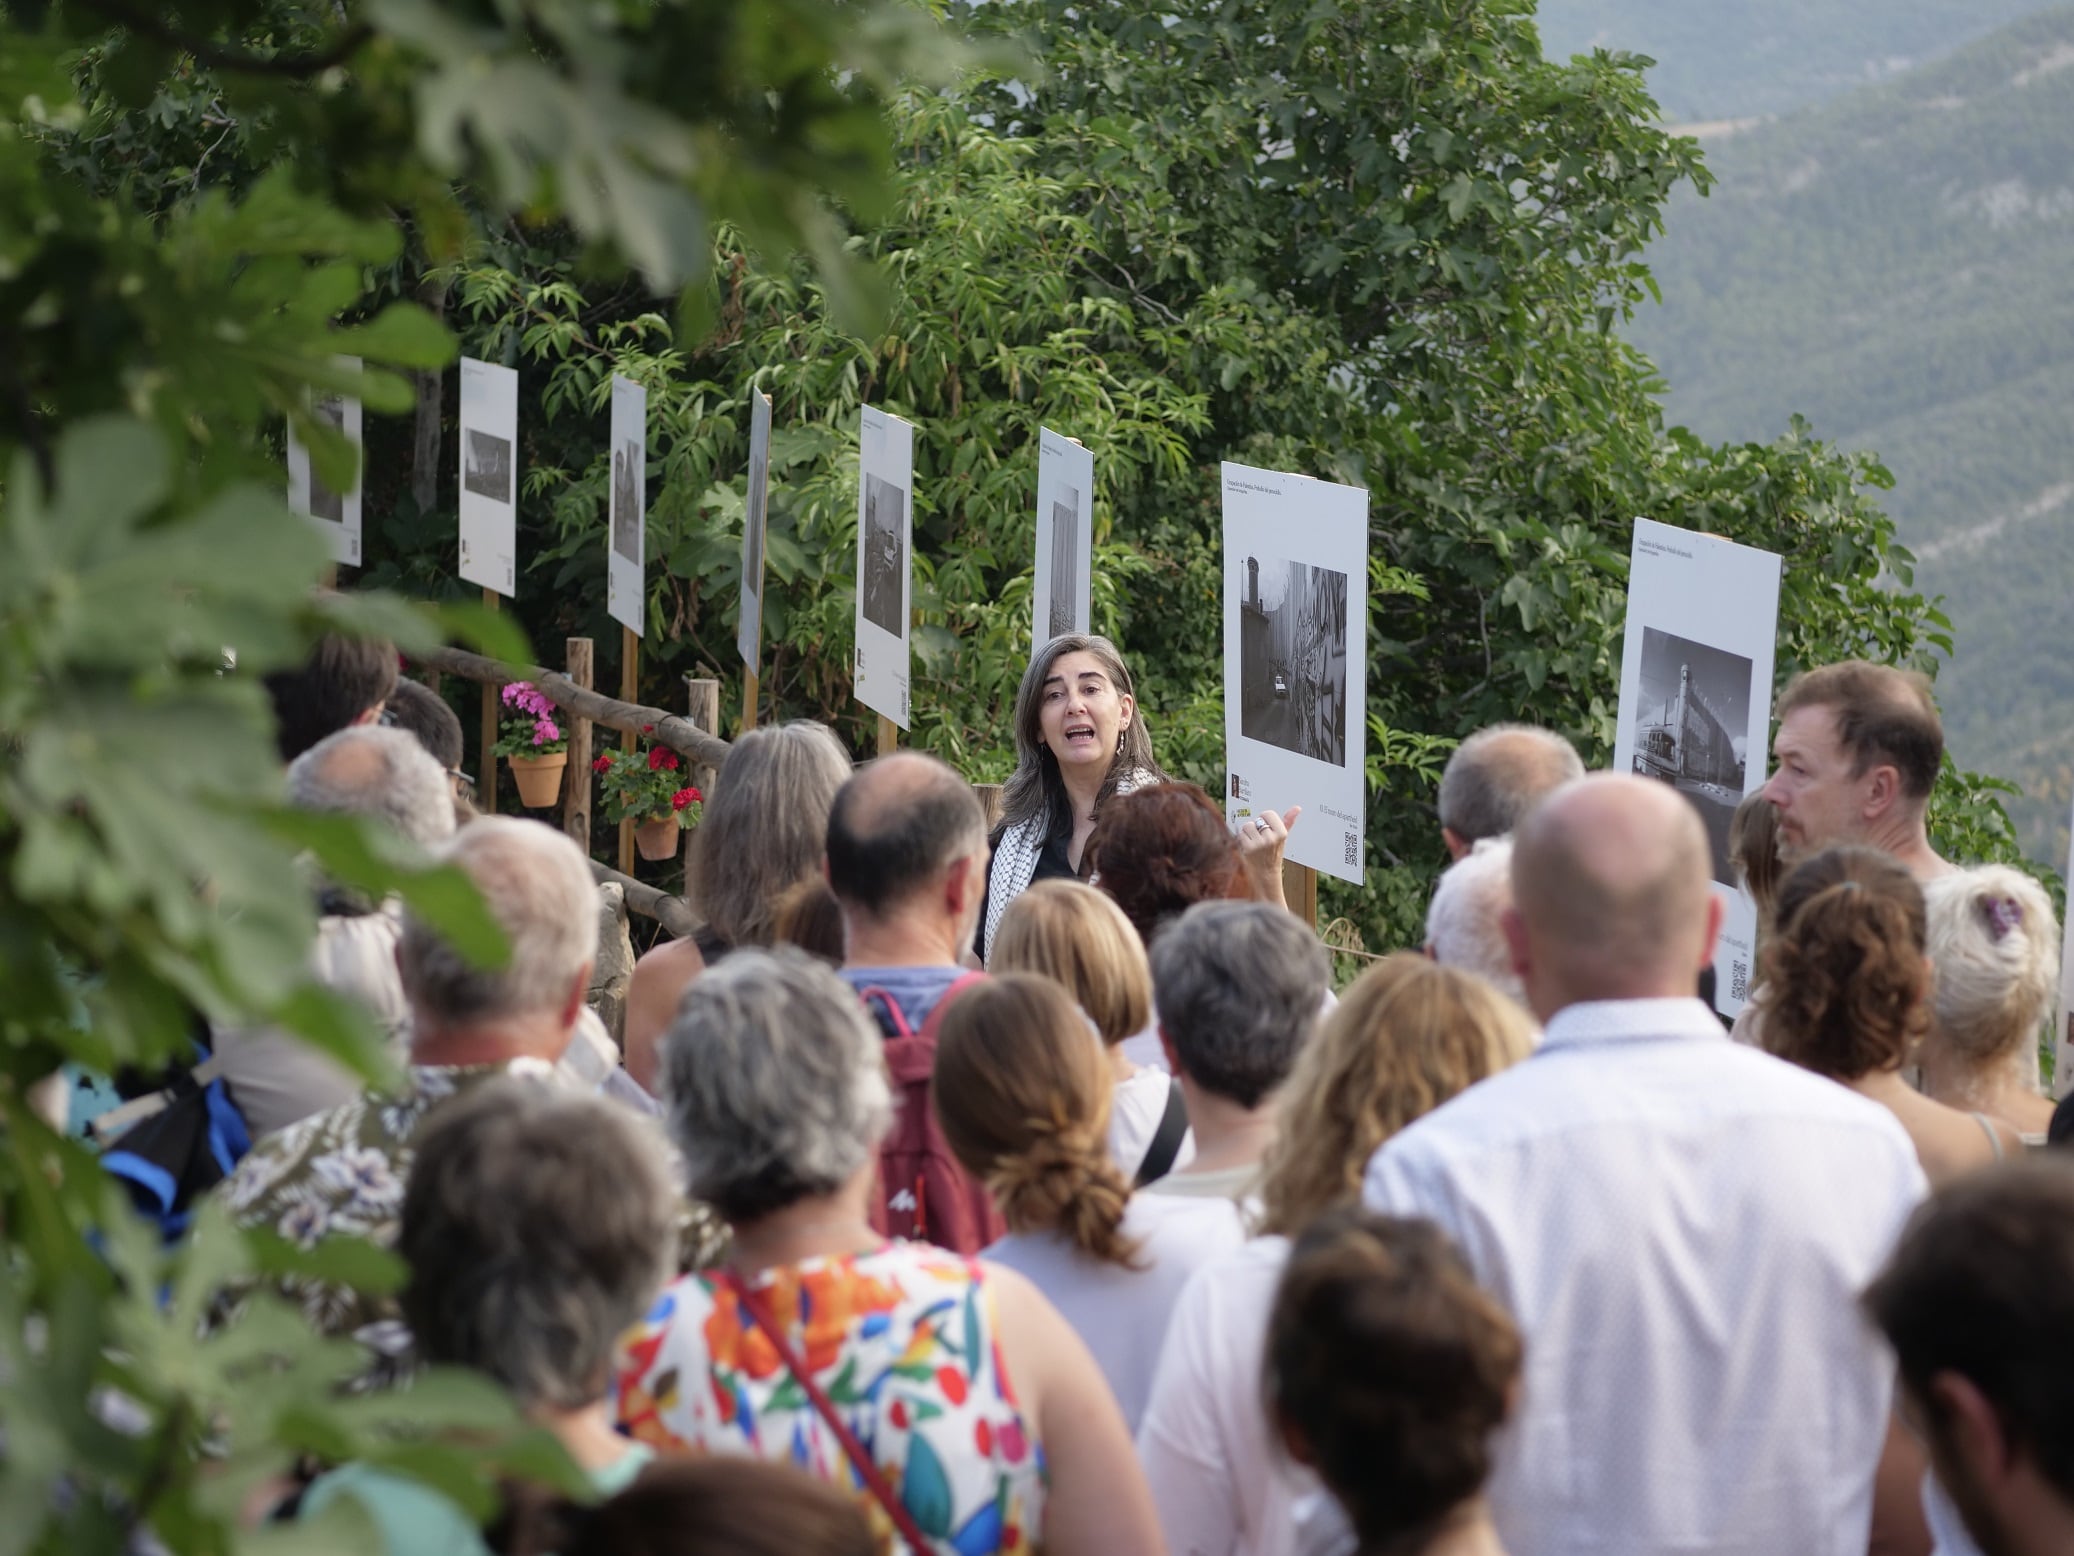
column 902, row 1340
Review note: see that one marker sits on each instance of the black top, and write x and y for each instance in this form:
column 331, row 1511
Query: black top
column 1052, row 865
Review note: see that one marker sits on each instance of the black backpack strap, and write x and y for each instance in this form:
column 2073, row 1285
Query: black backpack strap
column 1166, row 1140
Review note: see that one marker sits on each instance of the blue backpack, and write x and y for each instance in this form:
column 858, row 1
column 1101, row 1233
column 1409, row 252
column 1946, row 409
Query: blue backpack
column 170, row 1158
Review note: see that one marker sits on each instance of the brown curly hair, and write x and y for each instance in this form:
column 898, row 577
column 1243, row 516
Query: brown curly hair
column 1391, row 1369
column 1845, row 985
column 1161, row 849
column 1022, row 1089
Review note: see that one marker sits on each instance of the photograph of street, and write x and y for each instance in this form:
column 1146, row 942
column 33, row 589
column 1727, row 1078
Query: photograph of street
column 626, row 506
column 1293, row 657
column 487, row 470
column 1693, row 727
column 1065, row 559
column 885, row 556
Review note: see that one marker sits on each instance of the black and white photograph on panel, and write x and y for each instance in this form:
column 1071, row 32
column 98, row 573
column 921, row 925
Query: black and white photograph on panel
column 756, row 497
column 626, row 583
column 1065, row 561
column 626, row 506
column 1295, row 636
column 884, row 645
column 1691, row 731
column 326, row 504
column 1696, row 662
column 885, row 553
column 486, row 467
column 1293, row 658
column 336, row 514
column 489, row 475
column 1061, row 592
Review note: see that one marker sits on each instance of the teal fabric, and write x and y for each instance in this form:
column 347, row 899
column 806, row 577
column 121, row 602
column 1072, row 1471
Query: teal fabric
column 415, row 1520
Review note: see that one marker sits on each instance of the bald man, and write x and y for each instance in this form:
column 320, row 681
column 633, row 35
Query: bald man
column 1495, row 777
column 1678, row 1224
column 907, row 861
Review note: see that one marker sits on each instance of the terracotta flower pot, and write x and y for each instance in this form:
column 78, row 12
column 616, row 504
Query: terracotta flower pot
column 539, row 778
column 657, row 837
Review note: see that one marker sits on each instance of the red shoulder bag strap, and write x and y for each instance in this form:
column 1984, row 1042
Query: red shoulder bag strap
column 882, row 1492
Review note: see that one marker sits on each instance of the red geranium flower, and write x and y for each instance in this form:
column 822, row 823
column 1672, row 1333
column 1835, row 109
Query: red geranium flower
column 647, row 729
column 662, row 758
column 684, row 797
column 602, row 765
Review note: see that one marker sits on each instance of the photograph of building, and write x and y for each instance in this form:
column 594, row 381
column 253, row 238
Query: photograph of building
column 1693, row 729
column 1066, row 582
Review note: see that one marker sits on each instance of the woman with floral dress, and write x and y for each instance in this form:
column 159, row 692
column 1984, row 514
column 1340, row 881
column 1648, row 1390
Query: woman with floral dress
column 945, row 1393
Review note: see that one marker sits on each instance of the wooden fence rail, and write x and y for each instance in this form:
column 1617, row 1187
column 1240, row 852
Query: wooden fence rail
column 671, row 729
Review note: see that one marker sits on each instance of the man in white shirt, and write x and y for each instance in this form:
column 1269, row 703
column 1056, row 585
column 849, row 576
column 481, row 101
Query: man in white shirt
column 1678, row 1225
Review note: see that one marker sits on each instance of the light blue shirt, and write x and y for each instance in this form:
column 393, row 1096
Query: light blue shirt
column 415, row 1520
column 1680, row 1226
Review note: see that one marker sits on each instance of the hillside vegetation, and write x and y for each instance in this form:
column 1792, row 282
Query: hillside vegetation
column 1896, row 267
column 1763, row 57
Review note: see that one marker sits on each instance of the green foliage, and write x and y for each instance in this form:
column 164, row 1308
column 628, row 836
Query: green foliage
column 198, row 210
column 1416, row 293
column 1893, row 266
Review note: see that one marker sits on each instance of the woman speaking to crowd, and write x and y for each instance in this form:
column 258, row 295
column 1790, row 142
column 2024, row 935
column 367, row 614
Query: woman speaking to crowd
column 1078, row 740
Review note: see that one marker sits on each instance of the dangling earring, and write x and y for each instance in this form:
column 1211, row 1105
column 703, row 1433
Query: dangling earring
column 1119, row 740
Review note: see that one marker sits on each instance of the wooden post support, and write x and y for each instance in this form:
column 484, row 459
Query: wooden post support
column 578, row 790
column 751, row 687
column 629, row 691
column 702, row 707
column 889, row 736
column 1300, row 886
column 486, row 779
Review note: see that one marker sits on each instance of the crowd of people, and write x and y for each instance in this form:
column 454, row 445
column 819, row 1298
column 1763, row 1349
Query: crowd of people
column 968, row 1188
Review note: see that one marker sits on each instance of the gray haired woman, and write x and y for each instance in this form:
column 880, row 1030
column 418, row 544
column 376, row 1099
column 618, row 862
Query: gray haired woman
column 1078, row 740
column 762, row 833
column 944, row 1392
column 538, row 1225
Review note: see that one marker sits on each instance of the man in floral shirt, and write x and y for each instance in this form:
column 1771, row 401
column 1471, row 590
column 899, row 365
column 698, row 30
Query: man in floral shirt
column 341, row 1173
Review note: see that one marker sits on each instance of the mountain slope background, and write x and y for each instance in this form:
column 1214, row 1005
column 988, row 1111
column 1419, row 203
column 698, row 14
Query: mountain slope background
column 1738, row 59
column 1898, row 267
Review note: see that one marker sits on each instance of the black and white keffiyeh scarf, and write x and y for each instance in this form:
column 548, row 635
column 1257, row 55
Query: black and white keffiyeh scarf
column 1015, row 857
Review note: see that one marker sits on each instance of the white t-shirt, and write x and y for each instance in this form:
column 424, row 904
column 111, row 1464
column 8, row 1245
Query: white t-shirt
column 1122, row 1314
column 1222, row 1486
column 1134, row 1115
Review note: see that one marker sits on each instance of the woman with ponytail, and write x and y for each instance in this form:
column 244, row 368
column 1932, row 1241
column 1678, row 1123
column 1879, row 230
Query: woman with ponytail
column 1023, row 1088
column 1846, row 993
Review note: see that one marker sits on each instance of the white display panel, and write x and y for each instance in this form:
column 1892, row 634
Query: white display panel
column 885, row 561
column 755, row 524
column 1062, row 600
column 489, row 476
column 1295, row 660
column 626, row 583
column 1696, row 699
column 335, row 515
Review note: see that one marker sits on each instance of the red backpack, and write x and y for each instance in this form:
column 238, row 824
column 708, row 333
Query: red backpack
column 924, row 1194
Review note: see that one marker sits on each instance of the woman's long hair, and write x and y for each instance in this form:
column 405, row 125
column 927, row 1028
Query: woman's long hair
column 1409, row 1035
column 765, row 826
column 1079, row 938
column 1035, row 793
column 1022, row 1090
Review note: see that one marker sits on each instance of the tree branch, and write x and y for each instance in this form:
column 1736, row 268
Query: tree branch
column 673, row 913
column 218, row 56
